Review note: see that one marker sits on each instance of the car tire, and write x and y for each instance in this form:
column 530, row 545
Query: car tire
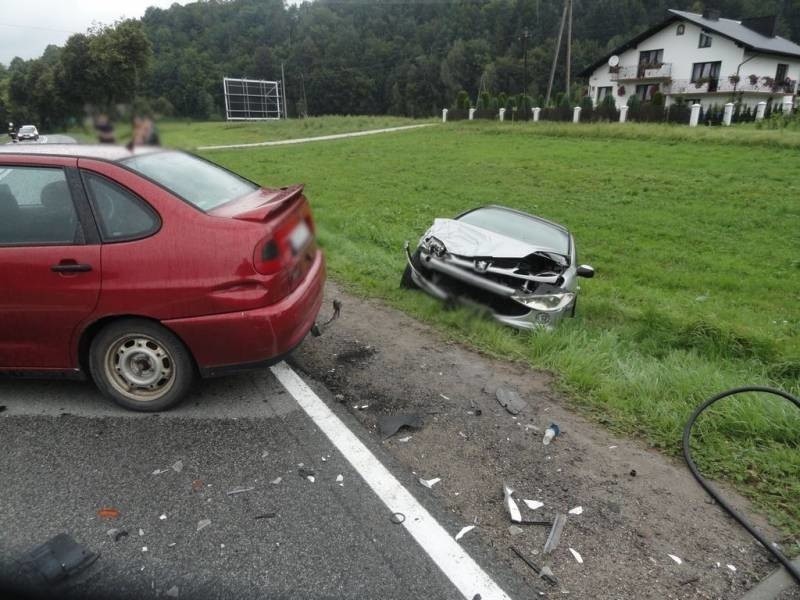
column 141, row 365
column 407, row 281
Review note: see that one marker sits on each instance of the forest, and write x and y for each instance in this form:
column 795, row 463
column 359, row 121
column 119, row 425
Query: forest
column 339, row 57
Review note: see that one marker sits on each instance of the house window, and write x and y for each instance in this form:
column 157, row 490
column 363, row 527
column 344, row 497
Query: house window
column 681, row 29
column 781, row 73
column 604, row 91
column 651, row 57
column 705, row 41
column 709, row 71
column 646, row 91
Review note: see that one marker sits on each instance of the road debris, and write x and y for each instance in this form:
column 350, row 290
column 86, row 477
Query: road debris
column 577, row 556
column 269, row 515
column 633, row 473
column 197, row 485
column 276, row 481
column 177, row 466
column 511, row 506
column 339, row 478
column 545, row 572
column 404, row 439
column 464, row 531
column 163, row 517
column 578, row 510
column 54, row 561
column 675, row 558
column 144, row 548
column 3, row 407
column 550, row 433
column 120, row 534
column 555, row 533
column 160, row 471
column 515, row 530
column 141, row 532
column 307, row 473
column 173, row 592
column 203, row 523
column 265, row 454
column 239, row 490
column 509, row 399
column 391, row 424
column 429, row 483
column 108, row 513
column 732, row 568
column 533, row 504
column 397, row 518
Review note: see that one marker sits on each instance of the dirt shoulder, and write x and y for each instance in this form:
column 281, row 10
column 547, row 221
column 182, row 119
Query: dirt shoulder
column 638, row 506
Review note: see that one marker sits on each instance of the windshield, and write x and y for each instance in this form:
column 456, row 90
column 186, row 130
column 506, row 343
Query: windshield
column 27, row 129
column 203, row 184
column 519, row 227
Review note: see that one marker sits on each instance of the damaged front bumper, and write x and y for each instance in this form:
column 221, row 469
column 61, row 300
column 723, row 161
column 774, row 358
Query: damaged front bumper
column 534, row 310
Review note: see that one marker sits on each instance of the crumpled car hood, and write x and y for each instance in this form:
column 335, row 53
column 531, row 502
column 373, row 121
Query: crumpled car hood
column 463, row 239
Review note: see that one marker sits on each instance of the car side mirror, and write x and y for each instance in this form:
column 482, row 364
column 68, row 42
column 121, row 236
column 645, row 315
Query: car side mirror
column 585, row 271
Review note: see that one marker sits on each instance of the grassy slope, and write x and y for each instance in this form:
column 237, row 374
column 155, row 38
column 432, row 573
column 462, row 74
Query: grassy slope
column 695, row 245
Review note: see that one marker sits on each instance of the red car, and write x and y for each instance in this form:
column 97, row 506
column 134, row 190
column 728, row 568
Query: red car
column 149, row 267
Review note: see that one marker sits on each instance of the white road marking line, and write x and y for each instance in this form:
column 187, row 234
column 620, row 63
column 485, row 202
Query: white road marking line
column 464, row 573
column 337, row 136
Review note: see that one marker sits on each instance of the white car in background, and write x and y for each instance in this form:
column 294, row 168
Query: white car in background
column 28, row 132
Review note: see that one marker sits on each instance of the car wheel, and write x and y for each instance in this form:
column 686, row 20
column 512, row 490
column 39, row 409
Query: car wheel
column 140, row 365
column 406, row 281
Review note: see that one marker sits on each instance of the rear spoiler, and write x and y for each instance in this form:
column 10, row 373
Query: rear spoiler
column 280, row 202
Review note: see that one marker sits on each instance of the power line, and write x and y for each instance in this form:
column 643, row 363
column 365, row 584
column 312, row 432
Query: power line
column 36, row 27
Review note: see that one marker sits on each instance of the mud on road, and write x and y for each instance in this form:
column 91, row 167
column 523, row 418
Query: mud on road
column 639, row 507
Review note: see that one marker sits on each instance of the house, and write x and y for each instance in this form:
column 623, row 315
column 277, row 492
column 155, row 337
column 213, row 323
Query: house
column 700, row 59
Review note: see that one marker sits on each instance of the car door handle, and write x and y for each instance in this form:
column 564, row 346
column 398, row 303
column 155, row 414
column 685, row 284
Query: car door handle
column 71, row 267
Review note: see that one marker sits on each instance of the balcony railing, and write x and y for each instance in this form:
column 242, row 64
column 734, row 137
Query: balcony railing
column 726, row 85
column 641, row 72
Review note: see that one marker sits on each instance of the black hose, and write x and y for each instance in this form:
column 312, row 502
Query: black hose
column 687, row 454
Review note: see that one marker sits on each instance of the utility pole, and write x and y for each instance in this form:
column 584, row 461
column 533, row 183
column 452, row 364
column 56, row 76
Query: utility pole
column 525, row 35
column 305, row 100
column 283, row 93
column 558, row 49
column 569, row 46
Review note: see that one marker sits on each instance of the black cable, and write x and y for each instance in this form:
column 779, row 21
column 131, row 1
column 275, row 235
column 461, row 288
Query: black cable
column 687, row 454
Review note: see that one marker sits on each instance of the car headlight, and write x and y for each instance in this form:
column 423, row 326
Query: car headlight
column 433, row 245
column 546, row 302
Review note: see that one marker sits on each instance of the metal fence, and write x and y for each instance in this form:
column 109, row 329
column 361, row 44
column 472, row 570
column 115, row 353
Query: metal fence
column 252, row 99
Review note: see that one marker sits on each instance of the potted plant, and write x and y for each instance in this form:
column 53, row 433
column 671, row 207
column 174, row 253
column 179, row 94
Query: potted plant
column 753, row 79
column 621, row 90
column 734, row 79
column 700, row 82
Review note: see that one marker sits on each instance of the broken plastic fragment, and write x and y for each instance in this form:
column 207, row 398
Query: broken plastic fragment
column 404, row 439
column 675, row 558
column 339, row 478
column 108, row 512
column 577, row 556
column 58, row 558
column 173, row 592
column 391, row 424
column 311, row 478
column 276, row 481
column 429, row 483
column 578, row 510
column 163, row 517
column 551, row 432
column 203, row 523
column 178, row 466
column 731, row 567
column 160, row 471
column 533, row 504
column 515, row 530
column 141, row 532
column 555, row 533
column 144, row 548
column 197, row 485
column 464, row 531
column 112, row 533
column 239, row 490
column 303, row 472
column 511, row 506
column 510, row 400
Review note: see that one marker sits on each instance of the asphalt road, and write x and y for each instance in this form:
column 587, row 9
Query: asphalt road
column 48, row 139
column 68, row 453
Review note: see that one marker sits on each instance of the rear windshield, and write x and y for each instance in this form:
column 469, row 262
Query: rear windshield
column 519, row 227
column 27, row 129
column 202, row 183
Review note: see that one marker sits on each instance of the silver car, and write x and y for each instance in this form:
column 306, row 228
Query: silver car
column 521, row 267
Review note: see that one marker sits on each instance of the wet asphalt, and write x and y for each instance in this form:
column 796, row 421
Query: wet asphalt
column 67, row 453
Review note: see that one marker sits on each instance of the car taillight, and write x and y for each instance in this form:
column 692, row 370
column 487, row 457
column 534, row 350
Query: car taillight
column 267, row 257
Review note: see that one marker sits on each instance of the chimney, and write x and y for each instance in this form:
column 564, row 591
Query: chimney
column 766, row 26
column 712, row 14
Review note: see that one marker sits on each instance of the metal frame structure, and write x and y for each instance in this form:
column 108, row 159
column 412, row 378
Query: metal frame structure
column 252, row 100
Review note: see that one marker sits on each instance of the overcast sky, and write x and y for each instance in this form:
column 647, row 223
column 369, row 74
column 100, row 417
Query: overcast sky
column 28, row 26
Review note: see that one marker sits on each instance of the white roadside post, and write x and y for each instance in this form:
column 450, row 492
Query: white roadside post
column 444, row 115
column 536, row 114
column 788, row 105
column 694, row 119
column 761, row 110
column 623, row 114
column 728, row 115
column 502, row 114
column 471, row 114
column 576, row 114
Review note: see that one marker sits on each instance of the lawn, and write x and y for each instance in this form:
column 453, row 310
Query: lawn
column 694, row 236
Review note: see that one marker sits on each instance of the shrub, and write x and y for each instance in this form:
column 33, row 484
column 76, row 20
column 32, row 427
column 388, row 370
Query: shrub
column 462, row 101
column 658, row 99
column 484, row 101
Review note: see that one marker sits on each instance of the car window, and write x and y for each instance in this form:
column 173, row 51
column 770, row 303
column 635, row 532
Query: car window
column 36, row 207
column 121, row 215
column 519, row 227
column 203, row 184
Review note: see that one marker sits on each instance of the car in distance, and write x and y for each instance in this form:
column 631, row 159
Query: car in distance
column 145, row 268
column 521, row 267
column 27, row 132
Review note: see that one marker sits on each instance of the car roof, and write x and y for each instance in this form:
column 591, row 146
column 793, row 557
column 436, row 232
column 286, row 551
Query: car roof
column 109, row 152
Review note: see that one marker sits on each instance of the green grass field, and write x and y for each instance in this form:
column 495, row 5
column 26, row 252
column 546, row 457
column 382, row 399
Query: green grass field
column 693, row 233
